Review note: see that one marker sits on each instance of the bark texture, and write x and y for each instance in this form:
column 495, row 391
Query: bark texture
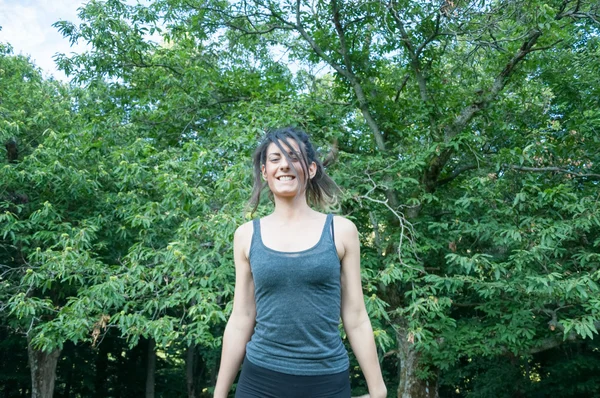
column 43, row 371
column 410, row 385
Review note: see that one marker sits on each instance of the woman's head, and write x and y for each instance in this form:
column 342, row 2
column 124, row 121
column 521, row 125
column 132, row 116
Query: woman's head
column 292, row 146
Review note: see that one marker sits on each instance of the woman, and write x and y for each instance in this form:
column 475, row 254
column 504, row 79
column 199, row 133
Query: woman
column 297, row 271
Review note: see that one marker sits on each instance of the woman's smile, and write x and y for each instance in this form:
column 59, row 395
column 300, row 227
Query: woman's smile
column 286, row 178
column 283, row 169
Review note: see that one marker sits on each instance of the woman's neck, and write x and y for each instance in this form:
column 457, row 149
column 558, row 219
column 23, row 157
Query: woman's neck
column 291, row 210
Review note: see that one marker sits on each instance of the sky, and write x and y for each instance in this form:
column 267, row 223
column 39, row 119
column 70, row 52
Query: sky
column 27, row 27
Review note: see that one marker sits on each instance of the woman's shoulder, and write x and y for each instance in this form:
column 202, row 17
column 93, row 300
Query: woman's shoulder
column 244, row 230
column 344, row 225
column 346, row 236
column 243, row 235
column 242, row 238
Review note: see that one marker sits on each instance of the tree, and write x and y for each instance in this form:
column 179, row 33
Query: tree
column 433, row 87
column 463, row 135
column 30, row 107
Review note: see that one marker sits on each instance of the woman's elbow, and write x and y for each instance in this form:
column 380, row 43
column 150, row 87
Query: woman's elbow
column 352, row 319
column 242, row 319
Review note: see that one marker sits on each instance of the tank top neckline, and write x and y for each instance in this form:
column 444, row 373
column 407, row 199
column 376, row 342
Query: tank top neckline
column 257, row 228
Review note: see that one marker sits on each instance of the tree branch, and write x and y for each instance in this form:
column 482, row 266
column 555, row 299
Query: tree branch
column 585, row 15
column 402, row 85
column 457, row 171
column 346, row 71
column 413, row 54
column 436, row 33
column 415, row 62
column 553, row 342
column 335, row 10
column 482, row 101
column 256, row 31
column 143, row 64
column 552, row 169
column 576, row 13
column 406, row 228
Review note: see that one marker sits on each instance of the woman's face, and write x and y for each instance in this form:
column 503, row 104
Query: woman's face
column 285, row 177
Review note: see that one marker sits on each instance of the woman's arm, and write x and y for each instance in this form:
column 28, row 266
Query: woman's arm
column 354, row 313
column 243, row 316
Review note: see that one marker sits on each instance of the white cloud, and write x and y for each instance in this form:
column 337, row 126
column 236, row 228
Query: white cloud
column 27, row 27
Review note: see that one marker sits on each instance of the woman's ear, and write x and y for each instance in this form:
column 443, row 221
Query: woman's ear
column 263, row 172
column 312, row 170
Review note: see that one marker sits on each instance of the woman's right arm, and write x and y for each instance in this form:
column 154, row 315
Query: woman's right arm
column 243, row 316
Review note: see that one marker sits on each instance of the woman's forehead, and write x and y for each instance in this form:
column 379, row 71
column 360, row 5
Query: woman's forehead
column 274, row 149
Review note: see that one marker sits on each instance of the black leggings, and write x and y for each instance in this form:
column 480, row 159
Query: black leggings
column 258, row 382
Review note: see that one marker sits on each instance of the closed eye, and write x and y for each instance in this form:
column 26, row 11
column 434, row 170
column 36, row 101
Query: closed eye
column 292, row 158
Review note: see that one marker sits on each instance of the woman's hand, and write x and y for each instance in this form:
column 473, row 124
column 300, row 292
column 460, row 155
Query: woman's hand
column 380, row 392
column 383, row 394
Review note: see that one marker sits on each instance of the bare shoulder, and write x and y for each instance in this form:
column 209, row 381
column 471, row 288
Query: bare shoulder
column 244, row 230
column 345, row 227
column 242, row 238
column 346, row 237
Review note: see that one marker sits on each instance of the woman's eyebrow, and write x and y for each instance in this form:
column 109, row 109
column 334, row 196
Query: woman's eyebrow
column 291, row 153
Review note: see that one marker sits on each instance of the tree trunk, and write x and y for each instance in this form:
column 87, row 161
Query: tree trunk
column 150, row 369
column 43, row 371
column 190, row 357
column 410, row 386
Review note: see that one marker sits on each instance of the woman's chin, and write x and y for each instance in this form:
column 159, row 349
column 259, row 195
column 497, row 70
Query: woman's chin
column 286, row 193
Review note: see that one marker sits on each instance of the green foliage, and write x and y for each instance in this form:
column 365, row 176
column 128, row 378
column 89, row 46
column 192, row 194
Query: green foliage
column 464, row 137
column 532, row 376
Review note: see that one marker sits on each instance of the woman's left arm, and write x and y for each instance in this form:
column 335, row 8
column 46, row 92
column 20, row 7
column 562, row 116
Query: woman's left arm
column 354, row 313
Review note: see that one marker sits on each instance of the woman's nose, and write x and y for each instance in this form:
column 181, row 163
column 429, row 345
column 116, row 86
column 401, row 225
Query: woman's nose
column 283, row 164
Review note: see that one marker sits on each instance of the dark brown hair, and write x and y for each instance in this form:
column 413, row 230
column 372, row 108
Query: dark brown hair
column 320, row 190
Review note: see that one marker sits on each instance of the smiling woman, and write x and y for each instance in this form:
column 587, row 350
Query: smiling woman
column 285, row 170
column 291, row 149
column 295, row 276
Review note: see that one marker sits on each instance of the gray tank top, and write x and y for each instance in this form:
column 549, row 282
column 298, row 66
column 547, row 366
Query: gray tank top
column 298, row 300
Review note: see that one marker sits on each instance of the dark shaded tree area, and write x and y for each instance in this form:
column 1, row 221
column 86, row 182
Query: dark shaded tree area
column 464, row 134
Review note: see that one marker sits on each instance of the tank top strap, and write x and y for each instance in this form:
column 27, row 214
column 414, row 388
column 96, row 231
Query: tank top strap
column 328, row 228
column 256, row 238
